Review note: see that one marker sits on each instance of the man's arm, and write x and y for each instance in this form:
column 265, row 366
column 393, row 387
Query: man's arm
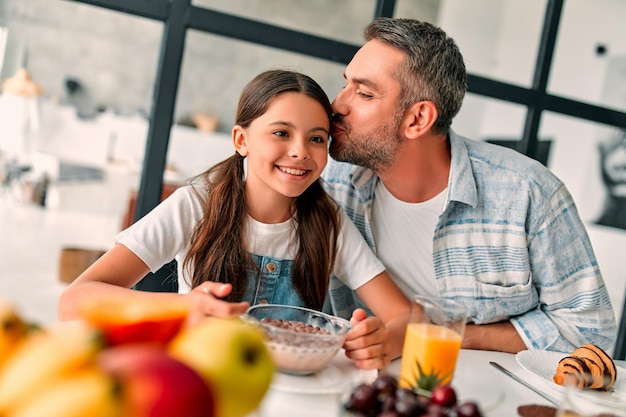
column 497, row 336
column 574, row 305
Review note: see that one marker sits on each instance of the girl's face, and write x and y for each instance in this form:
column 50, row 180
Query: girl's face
column 286, row 147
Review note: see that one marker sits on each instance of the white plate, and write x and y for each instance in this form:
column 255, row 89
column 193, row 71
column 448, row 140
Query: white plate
column 543, row 363
column 340, row 376
column 327, row 381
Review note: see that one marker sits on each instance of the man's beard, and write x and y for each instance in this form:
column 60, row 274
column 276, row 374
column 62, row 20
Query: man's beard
column 375, row 150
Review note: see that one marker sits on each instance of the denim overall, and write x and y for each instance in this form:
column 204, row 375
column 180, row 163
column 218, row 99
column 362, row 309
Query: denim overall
column 274, row 285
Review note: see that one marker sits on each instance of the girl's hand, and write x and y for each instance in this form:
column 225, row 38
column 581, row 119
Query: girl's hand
column 366, row 343
column 206, row 300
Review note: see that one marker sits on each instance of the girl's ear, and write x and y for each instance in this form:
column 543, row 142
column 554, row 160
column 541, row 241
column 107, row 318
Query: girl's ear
column 240, row 141
column 419, row 119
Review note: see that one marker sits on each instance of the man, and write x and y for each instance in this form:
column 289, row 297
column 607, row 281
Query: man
column 507, row 241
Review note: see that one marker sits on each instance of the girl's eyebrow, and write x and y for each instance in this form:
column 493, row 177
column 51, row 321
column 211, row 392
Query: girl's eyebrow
column 291, row 125
column 281, row 122
column 323, row 129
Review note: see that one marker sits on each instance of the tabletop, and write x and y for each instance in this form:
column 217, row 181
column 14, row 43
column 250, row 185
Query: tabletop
column 475, row 379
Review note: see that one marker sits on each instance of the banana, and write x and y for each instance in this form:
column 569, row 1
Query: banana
column 89, row 393
column 13, row 330
column 43, row 358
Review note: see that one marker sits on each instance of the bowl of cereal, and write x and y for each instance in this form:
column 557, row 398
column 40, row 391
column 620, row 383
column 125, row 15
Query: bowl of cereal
column 301, row 341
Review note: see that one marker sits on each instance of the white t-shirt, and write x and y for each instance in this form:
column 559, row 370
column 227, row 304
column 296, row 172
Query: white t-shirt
column 165, row 234
column 407, row 231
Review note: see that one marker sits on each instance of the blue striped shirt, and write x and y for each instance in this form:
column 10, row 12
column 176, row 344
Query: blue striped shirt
column 509, row 244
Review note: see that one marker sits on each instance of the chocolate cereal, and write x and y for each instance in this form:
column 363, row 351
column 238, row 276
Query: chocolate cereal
column 297, row 326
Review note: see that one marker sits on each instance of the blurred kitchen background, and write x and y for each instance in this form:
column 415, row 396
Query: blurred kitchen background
column 107, row 105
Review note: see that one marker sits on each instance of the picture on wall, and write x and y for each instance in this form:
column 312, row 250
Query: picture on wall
column 611, row 151
column 612, row 161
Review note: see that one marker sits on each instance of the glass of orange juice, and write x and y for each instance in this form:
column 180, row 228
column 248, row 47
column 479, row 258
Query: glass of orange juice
column 432, row 342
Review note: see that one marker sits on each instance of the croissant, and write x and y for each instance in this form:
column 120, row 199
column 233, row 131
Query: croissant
column 587, row 367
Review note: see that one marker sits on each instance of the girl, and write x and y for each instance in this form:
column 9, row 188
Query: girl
column 267, row 234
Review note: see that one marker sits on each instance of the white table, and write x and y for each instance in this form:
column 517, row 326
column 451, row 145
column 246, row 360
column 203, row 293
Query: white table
column 474, row 379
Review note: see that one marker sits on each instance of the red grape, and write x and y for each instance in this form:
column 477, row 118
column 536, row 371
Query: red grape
column 468, row 409
column 443, row 395
column 363, row 399
column 383, row 398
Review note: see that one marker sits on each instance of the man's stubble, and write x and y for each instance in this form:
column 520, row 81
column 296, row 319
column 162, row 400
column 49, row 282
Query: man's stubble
column 375, row 150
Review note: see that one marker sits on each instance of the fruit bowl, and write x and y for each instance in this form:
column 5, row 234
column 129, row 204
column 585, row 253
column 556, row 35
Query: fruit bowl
column 301, row 341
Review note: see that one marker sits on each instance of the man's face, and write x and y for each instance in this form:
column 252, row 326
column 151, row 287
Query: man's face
column 367, row 111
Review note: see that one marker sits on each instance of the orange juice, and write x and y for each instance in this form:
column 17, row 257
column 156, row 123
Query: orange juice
column 435, row 348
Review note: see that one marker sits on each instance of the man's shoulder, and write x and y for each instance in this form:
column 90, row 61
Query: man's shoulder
column 497, row 160
column 498, row 155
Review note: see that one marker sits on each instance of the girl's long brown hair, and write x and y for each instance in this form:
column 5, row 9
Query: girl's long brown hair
column 218, row 249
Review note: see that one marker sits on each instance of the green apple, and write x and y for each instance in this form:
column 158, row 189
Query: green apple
column 233, row 358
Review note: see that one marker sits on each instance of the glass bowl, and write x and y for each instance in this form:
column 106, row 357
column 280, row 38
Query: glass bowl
column 301, row 341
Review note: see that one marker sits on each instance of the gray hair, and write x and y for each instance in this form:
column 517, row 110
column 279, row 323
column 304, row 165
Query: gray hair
column 433, row 69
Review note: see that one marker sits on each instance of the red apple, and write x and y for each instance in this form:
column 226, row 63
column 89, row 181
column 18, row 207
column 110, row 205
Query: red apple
column 154, row 384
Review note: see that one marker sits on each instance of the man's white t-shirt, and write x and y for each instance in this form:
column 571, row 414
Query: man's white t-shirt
column 165, row 234
column 403, row 233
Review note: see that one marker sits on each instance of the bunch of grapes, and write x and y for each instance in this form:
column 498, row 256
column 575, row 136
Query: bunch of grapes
column 383, row 398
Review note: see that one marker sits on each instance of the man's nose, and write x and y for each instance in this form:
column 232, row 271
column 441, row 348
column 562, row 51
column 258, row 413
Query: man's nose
column 339, row 104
